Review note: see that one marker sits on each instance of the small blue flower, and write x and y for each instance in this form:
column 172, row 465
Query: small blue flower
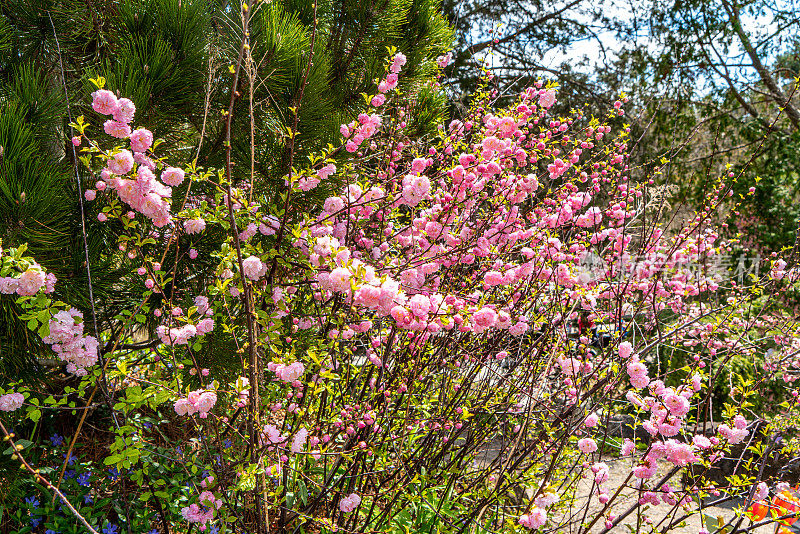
column 110, row 528
column 213, row 530
column 113, row 474
column 35, row 520
column 56, row 440
column 51, row 531
column 70, row 473
column 154, row 531
column 147, row 426
column 71, row 458
column 33, row 501
column 83, row 479
column 87, row 499
column 227, row 443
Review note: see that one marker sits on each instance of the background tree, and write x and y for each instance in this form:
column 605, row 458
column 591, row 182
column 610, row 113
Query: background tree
column 711, row 83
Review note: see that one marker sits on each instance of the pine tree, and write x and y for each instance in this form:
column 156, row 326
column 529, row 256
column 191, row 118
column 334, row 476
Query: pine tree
column 173, row 59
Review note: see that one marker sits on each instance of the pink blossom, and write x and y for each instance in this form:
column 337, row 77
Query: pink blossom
column 601, row 473
column 11, row 402
column 587, row 445
column 415, row 188
column 67, row 339
column 194, row 226
column 349, row 503
column 307, row 183
column 339, row 279
column 194, row 514
column 205, row 326
column 397, row 63
column 173, row 176
column 547, row 98
column 49, row 283
column 627, row 448
column 274, row 435
column 625, row 350
column 420, row 305
column 120, row 163
column 104, row 102
column 253, row 267
column 591, row 420
column 733, row 435
column 31, row 281
column 484, row 318
column 697, row 383
column 299, row 441
column 535, row 519
column 638, row 374
column 493, row 278
column 124, row 111
column 326, row 171
column 546, row 499
column 701, row 442
column 677, row 404
column 141, row 139
column 8, row 285
column 333, row 204
column 762, row 491
column 175, row 336
column 120, row 130
column 646, row 470
column 287, row 373
column 679, row 453
column 198, row 401
column 739, row 422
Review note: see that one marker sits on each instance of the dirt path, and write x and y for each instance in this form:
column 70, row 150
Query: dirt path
column 618, row 472
column 660, row 516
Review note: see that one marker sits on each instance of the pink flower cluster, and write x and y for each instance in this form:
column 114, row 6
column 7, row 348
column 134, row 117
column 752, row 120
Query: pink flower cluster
column 390, row 82
column 536, row 518
column 29, row 282
column 11, row 402
column 358, row 131
column 204, row 512
column 199, row 401
column 67, row 340
column 736, row 433
column 254, row 268
column 181, row 335
column 307, row 183
column 144, row 194
column 587, row 445
column 287, row 373
column 194, row 226
column 349, row 503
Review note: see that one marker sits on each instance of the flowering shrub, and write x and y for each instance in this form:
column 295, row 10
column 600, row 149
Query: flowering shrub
column 405, row 354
